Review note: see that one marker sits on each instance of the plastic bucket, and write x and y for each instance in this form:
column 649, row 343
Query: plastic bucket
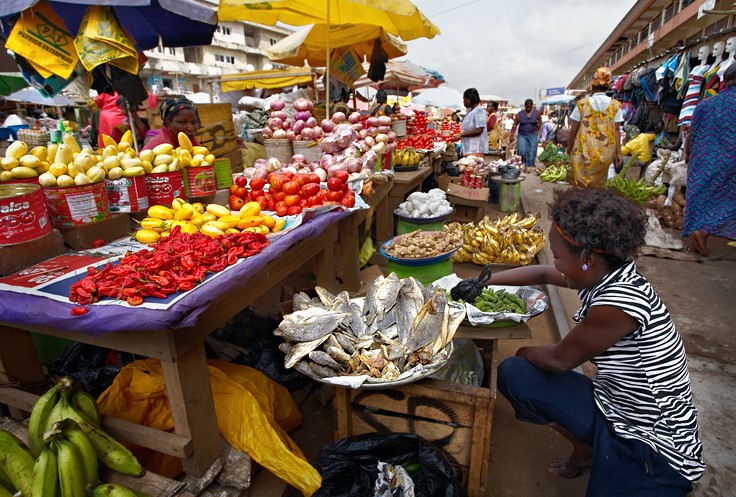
column 223, row 173
column 399, row 127
column 127, row 194
column 200, row 181
column 311, row 153
column 509, row 196
column 77, row 205
column 23, row 215
column 163, row 188
column 403, row 227
column 424, row 274
column 280, row 149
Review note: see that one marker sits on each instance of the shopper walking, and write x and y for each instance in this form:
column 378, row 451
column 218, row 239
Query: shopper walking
column 711, row 174
column 473, row 134
column 634, row 423
column 529, row 122
column 595, row 139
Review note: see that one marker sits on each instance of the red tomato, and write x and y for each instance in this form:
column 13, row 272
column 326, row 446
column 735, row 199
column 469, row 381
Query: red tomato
column 301, row 178
column 288, row 175
column 240, row 191
column 303, row 202
column 292, row 200
column 294, row 210
column 235, row 202
column 342, row 176
column 272, row 205
column 256, row 183
column 334, row 184
column 279, row 196
column 243, row 181
column 256, row 193
column 281, row 209
column 262, row 202
column 322, row 195
column 232, row 189
column 277, row 182
column 314, row 178
column 314, row 201
column 345, row 187
column 348, row 201
column 291, row 187
column 268, row 196
column 309, row 189
column 335, row 196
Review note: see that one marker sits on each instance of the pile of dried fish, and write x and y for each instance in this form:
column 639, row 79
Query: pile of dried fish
column 396, row 328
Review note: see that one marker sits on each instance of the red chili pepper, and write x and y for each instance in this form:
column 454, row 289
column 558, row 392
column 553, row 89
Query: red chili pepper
column 160, row 280
column 158, row 295
column 129, row 292
column 232, row 259
column 91, row 270
column 79, row 311
column 185, row 285
column 187, row 262
column 135, row 300
column 218, row 266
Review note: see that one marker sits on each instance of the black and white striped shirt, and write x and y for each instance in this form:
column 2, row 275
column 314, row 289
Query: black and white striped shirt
column 642, row 385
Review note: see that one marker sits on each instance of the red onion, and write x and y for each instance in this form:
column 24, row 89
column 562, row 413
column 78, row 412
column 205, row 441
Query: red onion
column 312, row 122
column 384, row 121
column 358, row 127
column 373, row 131
column 303, row 104
column 290, row 135
column 372, row 122
column 280, row 134
column 384, row 129
column 275, row 123
column 338, row 117
column 327, row 125
column 363, row 133
column 267, row 132
column 370, row 141
column 354, row 165
column 354, row 118
column 280, row 114
column 308, row 133
column 317, row 132
column 336, row 167
column 299, row 158
column 277, row 105
column 391, row 147
column 326, row 160
column 391, row 136
column 302, row 115
column 286, row 124
column 298, row 126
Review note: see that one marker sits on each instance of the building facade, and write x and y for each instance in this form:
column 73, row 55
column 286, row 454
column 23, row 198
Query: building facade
column 654, row 29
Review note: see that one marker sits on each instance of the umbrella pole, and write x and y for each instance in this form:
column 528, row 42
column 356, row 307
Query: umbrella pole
column 133, row 130
column 327, row 60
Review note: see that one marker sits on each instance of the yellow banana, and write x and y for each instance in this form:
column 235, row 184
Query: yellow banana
column 164, row 148
column 217, row 210
column 70, row 468
column 17, row 462
column 40, row 414
column 45, row 475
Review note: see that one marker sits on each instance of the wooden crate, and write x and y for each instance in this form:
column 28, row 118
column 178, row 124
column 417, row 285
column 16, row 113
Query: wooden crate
column 467, row 210
column 456, row 418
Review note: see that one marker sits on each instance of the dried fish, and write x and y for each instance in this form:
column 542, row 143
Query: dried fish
column 338, row 354
column 298, row 350
column 347, row 343
column 324, row 359
column 429, row 322
column 301, row 301
column 390, row 372
column 408, row 305
column 322, row 371
column 308, row 324
column 324, row 296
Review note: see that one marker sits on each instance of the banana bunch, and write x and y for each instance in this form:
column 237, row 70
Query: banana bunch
column 511, row 240
column 66, row 442
column 212, row 220
column 554, row 173
column 405, row 157
column 637, row 190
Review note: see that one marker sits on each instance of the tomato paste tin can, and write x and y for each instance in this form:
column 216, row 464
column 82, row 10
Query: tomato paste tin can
column 200, row 181
column 23, row 215
column 223, row 173
column 163, row 188
column 127, row 194
column 77, row 205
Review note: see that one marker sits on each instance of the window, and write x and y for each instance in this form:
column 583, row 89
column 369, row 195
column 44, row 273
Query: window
column 272, row 41
column 656, row 23
column 229, row 59
column 172, row 51
column 669, row 12
column 223, row 29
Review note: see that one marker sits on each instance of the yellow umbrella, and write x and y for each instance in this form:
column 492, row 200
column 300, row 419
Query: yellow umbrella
column 399, row 17
column 275, row 78
column 310, row 43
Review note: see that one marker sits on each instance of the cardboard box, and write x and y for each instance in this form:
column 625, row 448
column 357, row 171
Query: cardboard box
column 13, row 258
column 83, row 237
column 452, row 186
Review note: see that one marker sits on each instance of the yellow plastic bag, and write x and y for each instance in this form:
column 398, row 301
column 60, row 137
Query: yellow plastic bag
column 101, row 41
column 253, row 414
column 40, row 36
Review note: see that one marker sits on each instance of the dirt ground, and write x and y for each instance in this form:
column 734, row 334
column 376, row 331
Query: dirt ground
column 699, row 294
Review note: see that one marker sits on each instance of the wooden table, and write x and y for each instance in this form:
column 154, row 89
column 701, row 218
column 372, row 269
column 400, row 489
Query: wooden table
column 181, row 351
column 349, row 236
column 405, row 182
column 455, row 417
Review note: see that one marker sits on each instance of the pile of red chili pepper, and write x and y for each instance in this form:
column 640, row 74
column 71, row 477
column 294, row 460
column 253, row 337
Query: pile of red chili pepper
column 176, row 263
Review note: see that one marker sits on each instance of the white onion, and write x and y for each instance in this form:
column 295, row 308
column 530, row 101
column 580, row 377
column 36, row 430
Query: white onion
column 303, row 170
column 391, row 136
column 358, row 127
column 312, row 122
column 277, row 105
column 327, row 125
column 382, row 138
column 363, row 133
column 303, row 104
column 321, row 173
column 290, row 168
column 286, row 124
column 370, row 141
column 299, row 158
column 379, row 148
column 384, row 120
column 275, row 123
column 384, row 129
column 372, row 122
column 373, row 131
column 338, row 117
column 273, row 164
column 279, row 134
column 354, row 118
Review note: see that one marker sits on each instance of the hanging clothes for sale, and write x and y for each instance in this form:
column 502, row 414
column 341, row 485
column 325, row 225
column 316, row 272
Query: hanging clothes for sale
column 681, row 74
column 694, row 84
column 711, row 82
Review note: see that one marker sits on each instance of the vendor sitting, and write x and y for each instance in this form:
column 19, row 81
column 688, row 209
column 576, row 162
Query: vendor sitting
column 178, row 114
column 640, row 144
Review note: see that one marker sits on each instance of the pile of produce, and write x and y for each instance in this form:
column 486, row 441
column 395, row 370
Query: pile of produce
column 288, row 194
column 637, row 190
column 554, row 173
column 450, row 129
column 423, row 244
column 176, row 263
column 511, row 240
column 553, row 155
column 405, row 157
column 420, row 205
column 211, row 220
column 66, row 445
column 420, row 136
column 498, row 301
column 390, row 333
column 670, row 214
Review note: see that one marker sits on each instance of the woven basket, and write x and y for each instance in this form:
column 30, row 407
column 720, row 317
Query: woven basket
column 34, row 137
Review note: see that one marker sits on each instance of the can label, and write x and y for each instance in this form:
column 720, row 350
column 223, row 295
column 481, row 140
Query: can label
column 23, row 215
column 77, row 205
column 163, row 188
column 200, row 181
column 127, row 194
column 223, row 173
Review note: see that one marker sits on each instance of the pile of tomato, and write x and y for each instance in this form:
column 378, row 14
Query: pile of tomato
column 288, row 193
column 452, row 127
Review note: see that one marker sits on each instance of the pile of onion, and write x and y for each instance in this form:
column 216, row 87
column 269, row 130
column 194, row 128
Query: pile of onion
column 377, row 136
column 278, row 124
column 305, row 125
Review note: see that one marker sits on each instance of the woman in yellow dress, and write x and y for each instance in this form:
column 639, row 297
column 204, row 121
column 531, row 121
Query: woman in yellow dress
column 594, row 142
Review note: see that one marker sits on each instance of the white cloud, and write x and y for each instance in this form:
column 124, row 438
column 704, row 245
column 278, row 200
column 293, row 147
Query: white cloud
column 514, row 48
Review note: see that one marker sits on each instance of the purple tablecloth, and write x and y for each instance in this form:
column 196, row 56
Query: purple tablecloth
column 32, row 310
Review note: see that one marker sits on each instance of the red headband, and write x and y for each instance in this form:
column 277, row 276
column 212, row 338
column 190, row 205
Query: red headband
column 571, row 241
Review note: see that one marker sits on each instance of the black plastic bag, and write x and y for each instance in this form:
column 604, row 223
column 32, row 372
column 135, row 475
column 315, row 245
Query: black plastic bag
column 93, row 367
column 349, row 466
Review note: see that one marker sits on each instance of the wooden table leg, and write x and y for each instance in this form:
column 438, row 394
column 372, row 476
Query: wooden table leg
column 384, row 220
column 349, row 253
column 324, row 261
column 192, row 408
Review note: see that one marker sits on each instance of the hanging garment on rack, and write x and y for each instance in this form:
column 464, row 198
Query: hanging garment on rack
column 694, row 84
column 681, row 75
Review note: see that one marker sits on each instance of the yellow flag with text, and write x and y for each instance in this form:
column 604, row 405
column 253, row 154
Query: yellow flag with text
column 100, row 40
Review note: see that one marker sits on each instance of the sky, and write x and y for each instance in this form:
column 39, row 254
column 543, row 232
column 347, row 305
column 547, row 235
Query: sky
column 514, row 48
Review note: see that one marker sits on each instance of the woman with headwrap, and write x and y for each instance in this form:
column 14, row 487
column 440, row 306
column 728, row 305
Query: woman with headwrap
column 595, row 140
column 178, row 114
column 381, row 108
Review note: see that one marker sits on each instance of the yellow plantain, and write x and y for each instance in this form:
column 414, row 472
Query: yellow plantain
column 16, row 461
column 45, row 475
column 40, row 417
